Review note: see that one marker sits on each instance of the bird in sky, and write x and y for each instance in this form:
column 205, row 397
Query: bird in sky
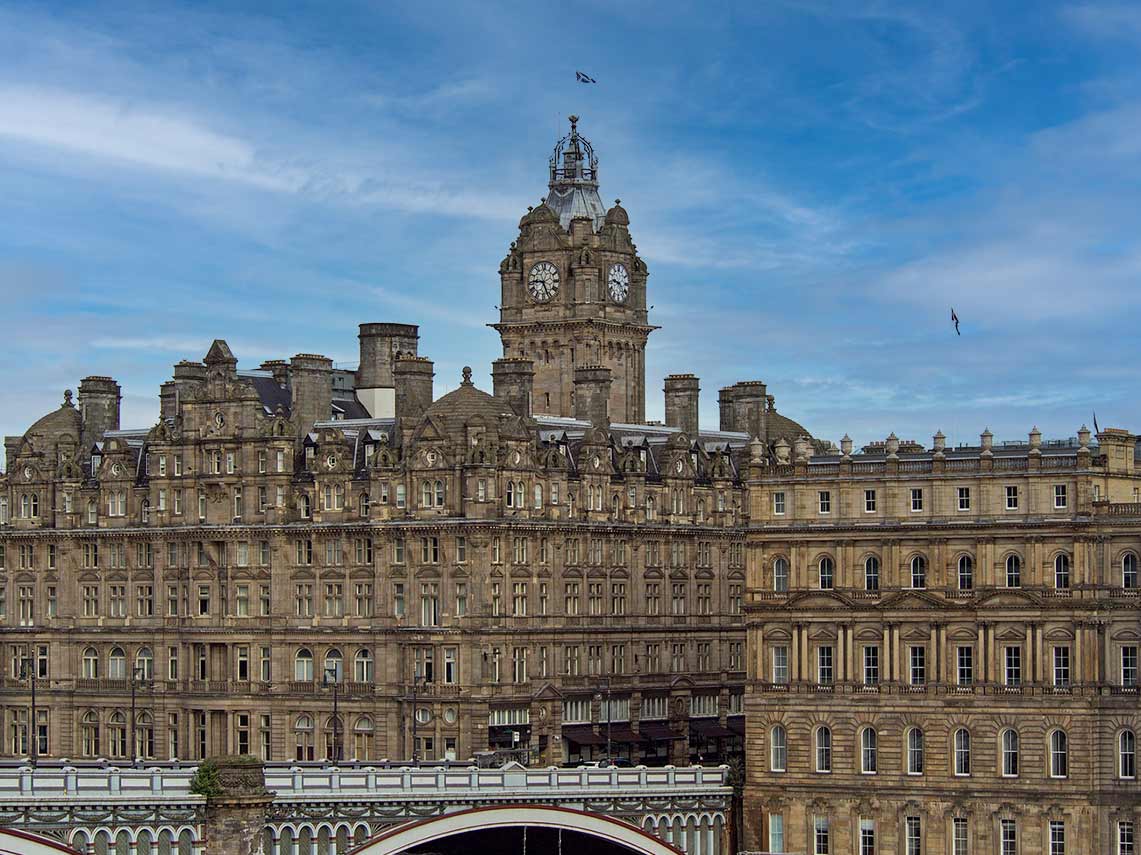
column 955, row 321
column 584, row 78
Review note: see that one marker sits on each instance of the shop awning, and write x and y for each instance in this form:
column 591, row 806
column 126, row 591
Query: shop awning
column 656, row 731
column 622, row 733
column 709, row 728
column 583, row 734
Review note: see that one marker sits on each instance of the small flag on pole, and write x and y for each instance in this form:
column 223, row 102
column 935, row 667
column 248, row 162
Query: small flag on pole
column 584, row 78
column 955, row 321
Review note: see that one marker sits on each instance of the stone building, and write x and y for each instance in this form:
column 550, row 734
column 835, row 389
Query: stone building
column 943, row 648
column 935, row 649
column 301, row 562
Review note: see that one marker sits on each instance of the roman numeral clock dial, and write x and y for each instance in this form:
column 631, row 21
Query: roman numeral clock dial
column 618, row 283
column 543, row 283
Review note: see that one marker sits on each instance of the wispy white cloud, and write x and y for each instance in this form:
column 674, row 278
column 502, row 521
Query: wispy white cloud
column 137, row 135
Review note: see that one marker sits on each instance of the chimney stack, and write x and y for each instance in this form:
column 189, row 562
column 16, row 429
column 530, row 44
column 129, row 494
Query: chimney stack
column 682, row 391
column 99, row 399
column 380, row 346
column 513, row 381
column 311, row 390
column 744, row 408
column 592, row 394
column 412, row 377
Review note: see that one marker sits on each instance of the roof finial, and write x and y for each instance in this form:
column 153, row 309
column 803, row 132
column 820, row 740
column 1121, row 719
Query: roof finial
column 574, row 124
column 67, row 398
column 467, row 375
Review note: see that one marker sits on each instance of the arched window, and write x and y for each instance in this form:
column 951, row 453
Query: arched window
column 144, row 735
column 1129, row 570
column 826, row 573
column 334, row 667
column 1061, row 571
column 538, row 497
column 1127, row 754
column 1059, row 754
column 303, row 666
column 869, row 751
column 914, row 751
column 918, row 572
column 966, row 573
column 1013, row 571
column 303, row 738
column 1010, row 753
column 334, row 738
column 823, row 749
column 510, row 497
column 91, row 663
column 439, row 488
column 871, row 573
column 778, row 749
column 306, row 507
column 145, row 511
column 363, row 732
column 117, row 664
column 92, row 512
column 426, row 494
column 362, row 666
column 701, row 510
column 89, row 733
column 145, row 664
column 651, row 508
column 720, row 500
column 780, row 575
column 365, row 504
column 117, row 734
column 962, row 751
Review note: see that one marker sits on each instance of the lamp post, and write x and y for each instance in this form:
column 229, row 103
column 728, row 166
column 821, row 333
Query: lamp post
column 336, row 682
column 605, row 682
column 415, row 722
column 27, row 672
column 138, row 674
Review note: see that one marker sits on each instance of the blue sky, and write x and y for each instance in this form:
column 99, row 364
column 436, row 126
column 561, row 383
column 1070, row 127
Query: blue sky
column 813, row 186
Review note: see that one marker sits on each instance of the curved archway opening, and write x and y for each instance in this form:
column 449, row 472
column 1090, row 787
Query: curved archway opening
column 509, row 828
column 15, row 841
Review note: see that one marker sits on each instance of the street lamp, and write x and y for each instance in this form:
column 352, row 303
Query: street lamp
column 27, row 672
column 138, row 675
column 415, row 719
column 335, row 680
column 606, row 685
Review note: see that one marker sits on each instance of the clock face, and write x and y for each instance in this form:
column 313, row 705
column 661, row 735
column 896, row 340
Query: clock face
column 544, row 281
column 618, row 283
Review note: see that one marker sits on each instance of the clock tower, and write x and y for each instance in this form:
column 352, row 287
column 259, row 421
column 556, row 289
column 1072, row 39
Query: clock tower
column 574, row 290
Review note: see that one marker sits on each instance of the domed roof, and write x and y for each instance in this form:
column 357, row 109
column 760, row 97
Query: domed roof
column 541, row 214
column 617, row 215
column 64, row 422
column 782, row 427
column 460, row 406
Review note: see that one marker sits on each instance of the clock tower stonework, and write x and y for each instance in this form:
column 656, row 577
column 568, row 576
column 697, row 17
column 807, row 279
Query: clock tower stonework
column 574, row 290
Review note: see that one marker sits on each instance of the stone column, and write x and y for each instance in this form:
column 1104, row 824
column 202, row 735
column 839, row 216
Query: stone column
column 237, row 805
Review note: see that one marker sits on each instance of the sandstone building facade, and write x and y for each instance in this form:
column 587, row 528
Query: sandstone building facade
column 943, row 649
column 935, row 650
column 300, row 562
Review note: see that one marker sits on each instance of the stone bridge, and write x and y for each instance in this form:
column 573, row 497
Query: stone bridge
column 327, row 810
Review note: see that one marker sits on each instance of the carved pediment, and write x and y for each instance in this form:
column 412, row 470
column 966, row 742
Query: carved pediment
column 1007, row 597
column 818, row 600
column 905, row 600
column 547, row 692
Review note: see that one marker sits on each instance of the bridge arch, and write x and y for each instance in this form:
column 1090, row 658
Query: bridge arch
column 404, row 837
column 17, row 842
